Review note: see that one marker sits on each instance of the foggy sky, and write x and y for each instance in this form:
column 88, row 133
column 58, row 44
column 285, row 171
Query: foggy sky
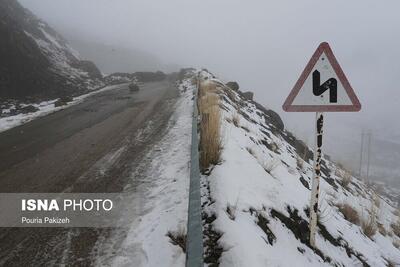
column 264, row 45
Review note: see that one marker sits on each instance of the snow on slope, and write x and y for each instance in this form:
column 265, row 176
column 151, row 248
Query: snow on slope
column 256, row 200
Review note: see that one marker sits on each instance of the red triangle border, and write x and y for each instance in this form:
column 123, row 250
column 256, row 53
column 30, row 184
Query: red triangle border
column 323, row 47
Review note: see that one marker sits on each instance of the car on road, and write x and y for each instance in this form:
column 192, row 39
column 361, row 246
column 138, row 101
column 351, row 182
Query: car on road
column 133, row 87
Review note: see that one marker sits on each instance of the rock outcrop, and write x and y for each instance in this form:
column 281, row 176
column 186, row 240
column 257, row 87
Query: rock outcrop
column 36, row 62
column 233, row 85
column 248, row 95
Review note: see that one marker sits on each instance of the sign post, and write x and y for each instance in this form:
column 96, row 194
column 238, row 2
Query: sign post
column 319, row 123
column 322, row 87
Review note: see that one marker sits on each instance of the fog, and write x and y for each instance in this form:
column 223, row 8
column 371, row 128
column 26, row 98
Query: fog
column 264, row 46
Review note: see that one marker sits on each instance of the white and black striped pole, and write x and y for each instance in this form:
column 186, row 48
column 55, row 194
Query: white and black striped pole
column 316, row 176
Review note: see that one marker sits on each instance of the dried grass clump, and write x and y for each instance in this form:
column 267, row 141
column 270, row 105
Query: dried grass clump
column 369, row 225
column 349, row 213
column 178, row 238
column 232, row 209
column 207, row 87
column 207, row 97
column 210, row 126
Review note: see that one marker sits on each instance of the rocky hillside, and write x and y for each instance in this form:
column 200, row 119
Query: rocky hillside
column 36, row 62
column 255, row 197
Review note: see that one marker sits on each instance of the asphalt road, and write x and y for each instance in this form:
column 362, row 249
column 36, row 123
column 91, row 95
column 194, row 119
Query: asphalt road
column 93, row 146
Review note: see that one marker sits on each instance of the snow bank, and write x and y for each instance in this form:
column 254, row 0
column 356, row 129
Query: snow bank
column 45, row 108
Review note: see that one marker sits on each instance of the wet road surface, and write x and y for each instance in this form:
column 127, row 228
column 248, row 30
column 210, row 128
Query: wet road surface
column 93, row 146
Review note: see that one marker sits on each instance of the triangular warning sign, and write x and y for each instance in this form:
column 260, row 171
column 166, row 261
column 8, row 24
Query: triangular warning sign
column 322, row 86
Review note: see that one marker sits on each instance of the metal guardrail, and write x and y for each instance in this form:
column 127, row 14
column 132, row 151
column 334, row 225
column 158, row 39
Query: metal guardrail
column 194, row 242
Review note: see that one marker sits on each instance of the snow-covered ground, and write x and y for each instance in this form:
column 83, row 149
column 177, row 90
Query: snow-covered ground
column 257, row 200
column 160, row 198
column 45, row 108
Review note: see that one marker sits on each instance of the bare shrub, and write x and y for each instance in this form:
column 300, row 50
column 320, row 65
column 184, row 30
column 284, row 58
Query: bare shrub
column 396, row 244
column 210, row 126
column 369, row 227
column 369, row 224
column 349, row 213
column 178, row 238
column 231, row 210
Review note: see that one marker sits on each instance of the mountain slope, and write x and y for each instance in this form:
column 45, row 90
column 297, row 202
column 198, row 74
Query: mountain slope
column 37, row 63
column 256, row 200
